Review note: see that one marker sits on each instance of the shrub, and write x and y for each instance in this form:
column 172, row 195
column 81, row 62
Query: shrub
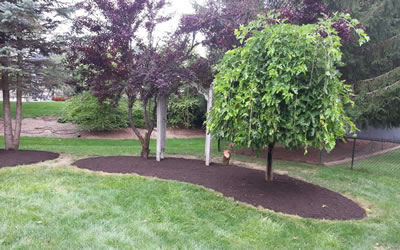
column 85, row 110
column 186, row 109
column 137, row 113
column 59, row 99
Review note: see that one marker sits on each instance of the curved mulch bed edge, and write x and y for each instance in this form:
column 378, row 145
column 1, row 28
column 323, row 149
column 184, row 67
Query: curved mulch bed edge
column 11, row 158
column 285, row 194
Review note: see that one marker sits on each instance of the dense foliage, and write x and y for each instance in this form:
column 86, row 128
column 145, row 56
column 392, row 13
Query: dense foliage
column 382, row 23
column 374, row 69
column 25, row 41
column 186, row 109
column 216, row 21
column 282, row 86
column 85, row 110
column 377, row 101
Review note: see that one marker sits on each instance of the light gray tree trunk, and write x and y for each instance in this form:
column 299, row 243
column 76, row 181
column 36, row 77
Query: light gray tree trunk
column 18, row 116
column 12, row 136
column 8, row 126
column 208, row 148
column 161, row 126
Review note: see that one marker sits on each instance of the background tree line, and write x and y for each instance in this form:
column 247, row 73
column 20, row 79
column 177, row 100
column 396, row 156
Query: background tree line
column 374, row 69
column 25, row 47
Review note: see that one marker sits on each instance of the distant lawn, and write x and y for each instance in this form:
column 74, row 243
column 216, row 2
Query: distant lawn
column 82, row 146
column 37, row 109
column 68, row 208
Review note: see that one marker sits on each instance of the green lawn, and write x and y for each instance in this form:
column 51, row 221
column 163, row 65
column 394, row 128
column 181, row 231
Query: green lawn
column 67, row 208
column 37, row 109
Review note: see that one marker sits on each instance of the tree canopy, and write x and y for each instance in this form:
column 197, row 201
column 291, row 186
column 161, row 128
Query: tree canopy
column 217, row 21
column 117, row 60
column 25, row 40
column 282, row 86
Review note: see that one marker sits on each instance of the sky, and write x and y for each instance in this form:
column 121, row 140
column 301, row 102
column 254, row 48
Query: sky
column 177, row 9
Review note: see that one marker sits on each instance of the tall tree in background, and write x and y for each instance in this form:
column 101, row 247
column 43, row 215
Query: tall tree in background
column 216, row 21
column 382, row 54
column 374, row 70
column 24, row 38
column 118, row 61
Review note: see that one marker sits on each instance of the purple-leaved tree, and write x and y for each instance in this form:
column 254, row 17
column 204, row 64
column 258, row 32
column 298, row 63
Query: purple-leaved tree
column 119, row 61
column 217, row 20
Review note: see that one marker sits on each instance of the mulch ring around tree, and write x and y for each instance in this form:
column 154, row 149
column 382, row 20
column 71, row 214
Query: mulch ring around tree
column 11, row 158
column 285, row 194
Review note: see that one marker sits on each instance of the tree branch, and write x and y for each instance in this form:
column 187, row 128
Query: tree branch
column 146, row 115
column 131, row 101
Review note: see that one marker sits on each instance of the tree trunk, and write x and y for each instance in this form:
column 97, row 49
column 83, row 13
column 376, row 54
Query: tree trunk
column 18, row 117
column 208, row 146
column 8, row 131
column 145, row 148
column 145, row 141
column 161, row 119
column 143, row 154
column 268, row 172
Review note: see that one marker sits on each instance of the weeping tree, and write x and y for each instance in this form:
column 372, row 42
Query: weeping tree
column 217, row 21
column 25, row 40
column 282, row 86
column 118, row 60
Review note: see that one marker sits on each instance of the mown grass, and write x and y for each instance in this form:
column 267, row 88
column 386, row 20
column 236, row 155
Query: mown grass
column 37, row 109
column 68, row 208
column 82, row 146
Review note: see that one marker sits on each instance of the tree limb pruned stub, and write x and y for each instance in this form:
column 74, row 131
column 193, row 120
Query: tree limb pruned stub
column 200, row 89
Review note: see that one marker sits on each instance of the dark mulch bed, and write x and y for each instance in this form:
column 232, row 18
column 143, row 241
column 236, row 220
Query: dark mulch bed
column 284, row 194
column 11, row 158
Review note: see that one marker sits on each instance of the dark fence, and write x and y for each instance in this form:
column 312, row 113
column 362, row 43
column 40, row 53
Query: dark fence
column 367, row 149
column 353, row 152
